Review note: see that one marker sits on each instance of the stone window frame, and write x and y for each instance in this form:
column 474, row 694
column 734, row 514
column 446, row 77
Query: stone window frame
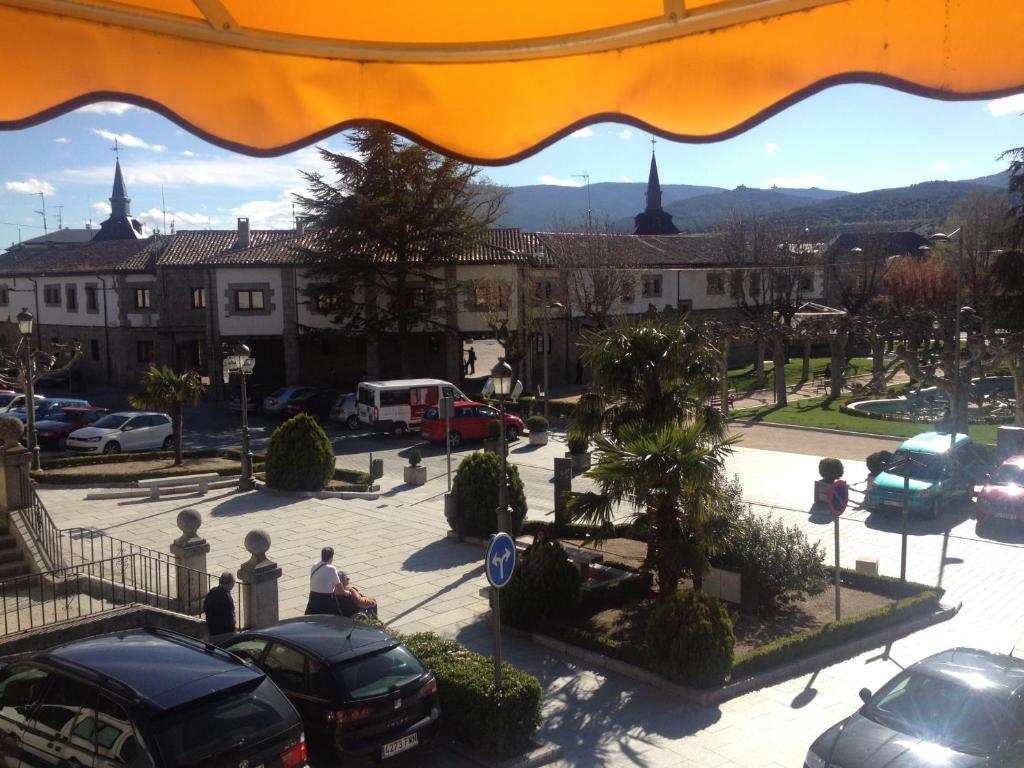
column 71, row 297
column 92, row 290
column 657, row 286
column 198, row 291
column 51, row 290
column 148, row 306
column 269, row 307
column 716, row 283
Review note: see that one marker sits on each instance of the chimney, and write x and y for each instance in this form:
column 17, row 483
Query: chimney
column 243, row 233
column 300, row 226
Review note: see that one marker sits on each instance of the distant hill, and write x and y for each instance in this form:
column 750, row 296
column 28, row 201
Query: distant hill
column 1000, row 179
column 700, row 213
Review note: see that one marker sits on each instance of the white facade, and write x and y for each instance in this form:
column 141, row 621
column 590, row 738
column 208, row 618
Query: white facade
column 21, row 294
column 265, row 320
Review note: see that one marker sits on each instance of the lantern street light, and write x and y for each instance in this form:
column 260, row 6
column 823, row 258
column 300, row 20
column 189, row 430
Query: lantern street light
column 241, row 362
column 501, row 377
column 954, row 402
column 25, row 321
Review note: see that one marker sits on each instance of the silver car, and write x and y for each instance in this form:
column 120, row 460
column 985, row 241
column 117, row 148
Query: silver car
column 344, row 411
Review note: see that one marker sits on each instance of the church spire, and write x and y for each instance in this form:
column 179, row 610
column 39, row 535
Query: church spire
column 120, row 204
column 653, row 193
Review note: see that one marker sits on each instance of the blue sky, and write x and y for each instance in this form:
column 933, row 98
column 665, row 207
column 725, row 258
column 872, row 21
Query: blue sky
column 852, row 138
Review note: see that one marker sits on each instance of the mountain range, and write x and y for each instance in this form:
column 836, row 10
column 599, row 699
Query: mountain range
column 543, row 207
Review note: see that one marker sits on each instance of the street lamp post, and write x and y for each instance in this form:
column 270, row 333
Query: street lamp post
column 954, row 408
column 546, row 347
column 25, row 321
column 501, row 378
column 243, row 363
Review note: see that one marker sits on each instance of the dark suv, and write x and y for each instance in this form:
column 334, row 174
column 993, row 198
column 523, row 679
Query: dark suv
column 361, row 693
column 144, row 698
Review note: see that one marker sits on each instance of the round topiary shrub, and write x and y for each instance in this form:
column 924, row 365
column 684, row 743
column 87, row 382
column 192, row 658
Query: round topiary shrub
column 493, row 429
column 876, row 461
column 577, row 442
column 537, row 424
column 415, row 457
column 544, row 586
column 299, row 456
column 476, row 488
column 690, row 639
column 830, row 469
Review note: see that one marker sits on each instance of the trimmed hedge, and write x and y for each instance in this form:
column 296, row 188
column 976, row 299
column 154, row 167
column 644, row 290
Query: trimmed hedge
column 476, row 488
column 828, row 636
column 545, row 585
column 94, row 478
column 299, row 456
column 121, row 458
column 690, row 639
column 830, row 469
column 354, row 476
column 472, row 714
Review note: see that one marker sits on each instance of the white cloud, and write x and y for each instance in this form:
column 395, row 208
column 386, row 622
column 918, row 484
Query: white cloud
column 62, row 140
column 1006, row 105
column 582, row 133
column 547, row 178
column 30, row 187
column 624, row 178
column 625, row 134
column 941, row 166
column 187, row 153
column 106, row 108
column 965, row 164
column 801, row 181
column 127, row 140
column 154, row 218
column 101, row 207
column 771, row 148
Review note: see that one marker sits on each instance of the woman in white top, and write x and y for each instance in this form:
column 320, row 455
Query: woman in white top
column 324, row 584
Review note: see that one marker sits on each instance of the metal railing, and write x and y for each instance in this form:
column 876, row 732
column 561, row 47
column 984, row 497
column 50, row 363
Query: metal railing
column 85, row 545
column 47, row 534
column 95, row 587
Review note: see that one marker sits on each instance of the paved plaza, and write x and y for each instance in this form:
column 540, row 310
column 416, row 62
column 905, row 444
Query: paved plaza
column 395, row 548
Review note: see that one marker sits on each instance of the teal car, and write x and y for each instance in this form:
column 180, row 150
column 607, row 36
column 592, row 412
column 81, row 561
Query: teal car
column 935, row 476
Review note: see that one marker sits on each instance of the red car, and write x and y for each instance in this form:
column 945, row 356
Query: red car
column 1002, row 497
column 469, row 423
column 54, row 430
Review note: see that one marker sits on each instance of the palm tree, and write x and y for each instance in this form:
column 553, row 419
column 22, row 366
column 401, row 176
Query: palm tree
column 163, row 389
column 671, row 475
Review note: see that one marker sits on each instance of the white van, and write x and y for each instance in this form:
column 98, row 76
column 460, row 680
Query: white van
column 398, row 405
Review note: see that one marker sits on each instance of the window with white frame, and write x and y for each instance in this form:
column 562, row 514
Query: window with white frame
column 51, row 295
column 651, row 286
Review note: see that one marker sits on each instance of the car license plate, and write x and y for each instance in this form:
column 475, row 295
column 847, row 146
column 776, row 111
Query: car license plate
column 1006, row 515
column 396, row 747
column 892, row 503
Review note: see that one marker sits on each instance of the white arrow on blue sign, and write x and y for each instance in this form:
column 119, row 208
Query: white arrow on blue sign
column 500, row 560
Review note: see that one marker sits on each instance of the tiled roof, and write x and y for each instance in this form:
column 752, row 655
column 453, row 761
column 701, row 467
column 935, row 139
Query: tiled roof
column 199, row 247
column 108, row 256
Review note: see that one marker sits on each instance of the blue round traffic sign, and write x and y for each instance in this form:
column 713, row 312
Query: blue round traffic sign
column 500, row 560
column 838, row 497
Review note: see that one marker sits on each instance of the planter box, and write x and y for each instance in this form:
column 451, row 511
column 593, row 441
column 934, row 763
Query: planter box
column 415, row 475
column 821, row 489
column 580, row 461
column 538, row 438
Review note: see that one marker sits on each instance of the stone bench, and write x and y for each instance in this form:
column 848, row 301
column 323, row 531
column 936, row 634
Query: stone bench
column 583, row 558
column 156, row 484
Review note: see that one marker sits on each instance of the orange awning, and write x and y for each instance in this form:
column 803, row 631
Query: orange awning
column 489, row 81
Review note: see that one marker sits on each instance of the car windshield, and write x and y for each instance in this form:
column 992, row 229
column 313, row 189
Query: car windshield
column 376, row 675
column 64, row 416
column 113, row 421
column 941, row 710
column 921, row 466
column 196, row 735
column 1008, row 474
column 366, row 396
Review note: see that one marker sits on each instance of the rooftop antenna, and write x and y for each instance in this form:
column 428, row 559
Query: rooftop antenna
column 294, row 226
column 172, row 226
column 163, row 208
column 42, row 197
column 590, row 213
column 60, row 216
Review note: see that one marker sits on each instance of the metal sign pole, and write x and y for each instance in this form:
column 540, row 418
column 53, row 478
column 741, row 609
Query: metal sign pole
column 838, row 613
column 496, row 631
column 903, row 545
column 449, row 403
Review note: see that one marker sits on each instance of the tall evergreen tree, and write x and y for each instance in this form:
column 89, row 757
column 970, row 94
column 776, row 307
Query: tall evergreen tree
column 390, row 222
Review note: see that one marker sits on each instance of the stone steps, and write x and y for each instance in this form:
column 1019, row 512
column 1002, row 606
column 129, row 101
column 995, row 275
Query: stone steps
column 12, row 563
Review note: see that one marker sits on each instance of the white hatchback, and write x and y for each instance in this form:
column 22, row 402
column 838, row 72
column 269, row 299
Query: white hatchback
column 128, row 431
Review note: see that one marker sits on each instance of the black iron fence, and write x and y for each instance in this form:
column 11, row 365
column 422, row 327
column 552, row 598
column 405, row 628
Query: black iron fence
column 97, row 586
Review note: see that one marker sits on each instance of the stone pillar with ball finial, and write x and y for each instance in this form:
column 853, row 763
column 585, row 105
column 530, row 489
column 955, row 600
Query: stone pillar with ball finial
column 191, row 550
column 259, row 576
column 15, row 485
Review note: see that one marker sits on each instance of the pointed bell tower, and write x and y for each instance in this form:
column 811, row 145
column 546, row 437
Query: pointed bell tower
column 120, row 225
column 653, row 220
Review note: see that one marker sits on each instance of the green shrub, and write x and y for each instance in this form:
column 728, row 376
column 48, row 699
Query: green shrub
column 354, row 476
column 690, row 639
column 877, row 461
column 415, row 457
column 537, row 424
column 545, row 585
column 577, row 442
column 830, row 469
column 476, row 488
column 778, row 560
column 493, row 429
column 299, row 456
column 465, row 687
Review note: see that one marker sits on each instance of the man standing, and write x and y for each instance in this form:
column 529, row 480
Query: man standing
column 471, row 360
column 324, row 584
column 219, row 607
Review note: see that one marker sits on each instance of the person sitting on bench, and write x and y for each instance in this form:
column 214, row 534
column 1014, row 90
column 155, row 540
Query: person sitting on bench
column 351, row 601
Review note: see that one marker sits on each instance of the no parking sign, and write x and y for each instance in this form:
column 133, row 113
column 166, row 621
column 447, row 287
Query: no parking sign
column 838, row 497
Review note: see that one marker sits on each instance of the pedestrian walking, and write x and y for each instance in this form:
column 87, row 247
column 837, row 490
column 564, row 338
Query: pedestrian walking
column 324, row 585
column 471, row 360
column 219, row 606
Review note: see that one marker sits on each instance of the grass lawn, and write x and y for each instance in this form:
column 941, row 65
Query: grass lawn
column 742, row 379
column 824, row 413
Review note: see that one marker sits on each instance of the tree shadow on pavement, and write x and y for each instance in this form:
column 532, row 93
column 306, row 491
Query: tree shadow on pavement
column 442, row 554
column 1003, row 531
column 916, row 526
column 597, row 716
column 243, row 504
column 475, row 573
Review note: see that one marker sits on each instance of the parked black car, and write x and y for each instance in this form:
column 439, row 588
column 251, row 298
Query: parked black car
column 254, row 393
column 361, row 692
column 958, row 708
column 144, row 698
